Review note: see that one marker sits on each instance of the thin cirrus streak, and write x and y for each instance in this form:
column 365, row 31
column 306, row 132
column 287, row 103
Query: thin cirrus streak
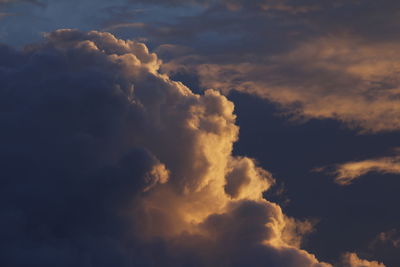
column 347, row 172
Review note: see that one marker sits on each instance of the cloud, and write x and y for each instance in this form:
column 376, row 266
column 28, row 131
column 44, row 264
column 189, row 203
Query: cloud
column 35, row 2
column 392, row 237
column 3, row 14
column 106, row 161
column 309, row 66
column 386, row 245
column 352, row 260
column 324, row 78
column 125, row 25
column 347, row 172
column 7, row 3
column 292, row 7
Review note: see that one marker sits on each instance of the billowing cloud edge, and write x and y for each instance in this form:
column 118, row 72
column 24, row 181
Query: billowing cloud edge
column 351, row 259
column 146, row 163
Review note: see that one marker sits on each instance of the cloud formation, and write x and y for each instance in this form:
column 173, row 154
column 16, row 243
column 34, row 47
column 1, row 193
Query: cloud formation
column 332, row 77
column 35, row 2
column 352, row 260
column 309, row 66
column 387, row 245
column 347, row 172
column 108, row 162
column 392, row 237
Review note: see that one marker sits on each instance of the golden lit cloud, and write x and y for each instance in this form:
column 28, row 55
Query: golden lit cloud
column 352, row 260
column 338, row 77
column 155, row 165
column 347, row 172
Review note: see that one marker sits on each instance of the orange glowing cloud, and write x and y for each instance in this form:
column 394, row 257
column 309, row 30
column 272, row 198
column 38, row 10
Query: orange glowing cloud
column 352, row 260
column 339, row 77
column 155, row 180
column 347, row 172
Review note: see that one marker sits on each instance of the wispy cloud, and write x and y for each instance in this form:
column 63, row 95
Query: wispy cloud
column 391, row 237
column 125, row 25
column 309, row 66
column 346, row 173
column 35, row 2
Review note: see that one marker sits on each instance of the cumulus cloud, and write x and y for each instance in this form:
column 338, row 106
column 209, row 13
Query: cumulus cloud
column 310, row 66
column 352, row 260
column 106, row 161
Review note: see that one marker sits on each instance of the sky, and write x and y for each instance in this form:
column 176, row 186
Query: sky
column 200, row 133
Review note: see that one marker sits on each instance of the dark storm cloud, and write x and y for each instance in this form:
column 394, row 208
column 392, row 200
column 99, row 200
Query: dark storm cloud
column 326, row 60
column 69, row 170
column 315, row 59
column 105, row 161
